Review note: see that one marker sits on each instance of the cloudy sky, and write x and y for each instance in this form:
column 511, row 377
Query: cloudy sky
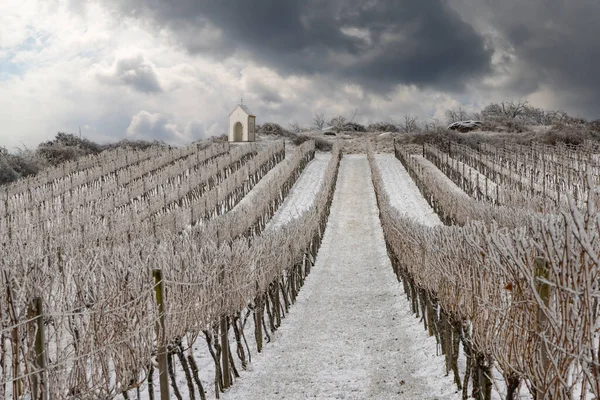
column 174, row 69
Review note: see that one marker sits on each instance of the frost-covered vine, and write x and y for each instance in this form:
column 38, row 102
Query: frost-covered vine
column 518, row 289
column 79, row 311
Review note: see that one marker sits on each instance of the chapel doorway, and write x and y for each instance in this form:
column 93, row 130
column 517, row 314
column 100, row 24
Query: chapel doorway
column 238, row 132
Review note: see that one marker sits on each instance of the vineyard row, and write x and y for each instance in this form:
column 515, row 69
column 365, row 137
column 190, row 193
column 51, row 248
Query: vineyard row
column 102, row 321
column 133, row 165
column 518, row 292
column 82, row 224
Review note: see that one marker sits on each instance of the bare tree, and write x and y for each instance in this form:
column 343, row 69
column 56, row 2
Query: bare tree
column 410, row 124
column 295, row 127
column 337, row 123
column 513, row 109
column 319, row 121
column 433, row 125
column 455, row 115
column 506, row 109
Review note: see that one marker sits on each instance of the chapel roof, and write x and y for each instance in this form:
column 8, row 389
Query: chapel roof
column 245, row 108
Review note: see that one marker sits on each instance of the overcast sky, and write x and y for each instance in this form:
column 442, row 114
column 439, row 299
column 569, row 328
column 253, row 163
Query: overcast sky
column 173, row 69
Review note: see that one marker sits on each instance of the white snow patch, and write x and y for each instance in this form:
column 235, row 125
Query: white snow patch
column 303, row 193
column 402, row 191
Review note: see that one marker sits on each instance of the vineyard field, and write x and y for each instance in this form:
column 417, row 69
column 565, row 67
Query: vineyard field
column 266, row 270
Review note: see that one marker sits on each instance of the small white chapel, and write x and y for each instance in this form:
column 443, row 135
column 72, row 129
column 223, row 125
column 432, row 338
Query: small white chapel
column 242, row 124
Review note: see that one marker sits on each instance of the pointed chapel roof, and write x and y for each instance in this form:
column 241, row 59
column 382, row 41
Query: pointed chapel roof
column 245, row 108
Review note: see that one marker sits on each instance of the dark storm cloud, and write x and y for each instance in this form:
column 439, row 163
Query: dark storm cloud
column 556, row 43
column 376, row 43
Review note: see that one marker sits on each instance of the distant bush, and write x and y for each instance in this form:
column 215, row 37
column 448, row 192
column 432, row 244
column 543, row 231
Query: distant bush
column 58, row 154
column 299, row 139
column 503, row 124
column 28, row 163
column 64, row 147
column 323, row 145
column 353, row 127
column 574, row 134
column 67, row 147
column 320, row 144
column 271, row 128
column 382, row 127
column 15, row 166
column 134, row 144
column 220, row 138
column 7, row 173
column 595, row 125
column 71, row 140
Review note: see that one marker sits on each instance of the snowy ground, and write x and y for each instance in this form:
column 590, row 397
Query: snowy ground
column 351, row 334
column 402, row 191
column 303, row 194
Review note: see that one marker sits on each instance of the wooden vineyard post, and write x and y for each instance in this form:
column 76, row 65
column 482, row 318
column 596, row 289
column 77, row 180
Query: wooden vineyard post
column 224, row 339
column 17, row 384
column 163, row 377
column 463, row 176
column 557, row 185
column 225, row 352
column 478, row 191
column 531, row 189
column 544, row 177
column 430, row 314
column 39, row 383
column 487, row 194
column 497, row 195
column 470, row 183
column 543, row 290
column 258, row 322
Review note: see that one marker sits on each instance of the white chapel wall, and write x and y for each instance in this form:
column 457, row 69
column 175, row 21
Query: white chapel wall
column 238, row 115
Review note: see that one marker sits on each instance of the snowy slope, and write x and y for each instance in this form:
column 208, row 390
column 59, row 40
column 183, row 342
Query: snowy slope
column 303, row 194
column 351, row 334
column 402, row 191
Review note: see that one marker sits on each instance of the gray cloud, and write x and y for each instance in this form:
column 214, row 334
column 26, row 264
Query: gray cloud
column 475, row 51
column 264, row 93
column 555, row 43
column 377, row 43
column 135, row 71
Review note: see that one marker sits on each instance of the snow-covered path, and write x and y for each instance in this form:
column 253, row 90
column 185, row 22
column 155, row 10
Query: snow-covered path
column 304, row 192
column 350, row 334
column 402, row 191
